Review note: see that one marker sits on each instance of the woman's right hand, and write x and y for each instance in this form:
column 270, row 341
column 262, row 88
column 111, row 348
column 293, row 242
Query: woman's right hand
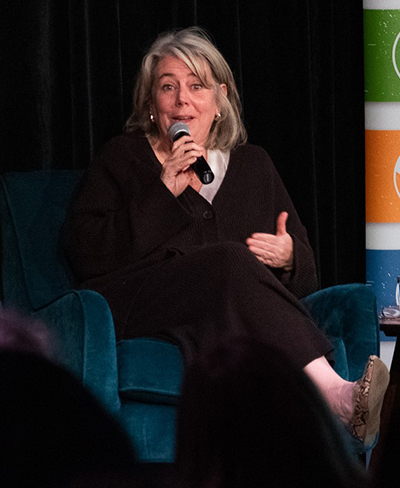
column 177, row 172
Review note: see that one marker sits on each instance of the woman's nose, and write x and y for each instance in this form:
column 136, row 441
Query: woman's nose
column 182, row 96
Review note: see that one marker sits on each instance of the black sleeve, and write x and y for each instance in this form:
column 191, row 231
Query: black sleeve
column 114, row 221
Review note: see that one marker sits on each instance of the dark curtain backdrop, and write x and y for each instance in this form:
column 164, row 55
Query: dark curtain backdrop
column 68, row 68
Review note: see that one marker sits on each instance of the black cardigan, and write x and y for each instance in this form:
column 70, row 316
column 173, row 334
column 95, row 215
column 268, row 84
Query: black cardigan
column 124, row 221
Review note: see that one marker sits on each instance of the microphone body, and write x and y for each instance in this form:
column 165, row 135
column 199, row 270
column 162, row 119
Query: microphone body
column 200, row 166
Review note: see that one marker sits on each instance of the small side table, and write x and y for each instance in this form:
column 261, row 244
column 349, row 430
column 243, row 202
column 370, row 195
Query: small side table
column 385, row 456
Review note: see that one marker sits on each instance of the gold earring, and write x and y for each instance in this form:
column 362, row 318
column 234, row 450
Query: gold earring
column 152, row 118
column 217, row 117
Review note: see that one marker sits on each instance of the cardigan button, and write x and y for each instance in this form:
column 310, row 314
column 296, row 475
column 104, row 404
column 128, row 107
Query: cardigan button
column 207, row 215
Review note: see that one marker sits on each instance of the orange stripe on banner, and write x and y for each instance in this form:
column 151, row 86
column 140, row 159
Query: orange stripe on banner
column 382, row 173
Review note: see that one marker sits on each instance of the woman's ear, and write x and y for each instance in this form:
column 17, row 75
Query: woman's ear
column 224, row 88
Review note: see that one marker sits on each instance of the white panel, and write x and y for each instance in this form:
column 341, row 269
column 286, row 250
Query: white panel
column 382, row 115
column 382, row 4
column 387, row 351
column 382, row 236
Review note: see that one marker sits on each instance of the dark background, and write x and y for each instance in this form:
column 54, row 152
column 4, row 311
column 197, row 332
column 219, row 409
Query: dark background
column 68, row 69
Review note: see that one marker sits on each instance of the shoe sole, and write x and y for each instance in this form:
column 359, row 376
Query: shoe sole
column 370, row 392
column 377, row 389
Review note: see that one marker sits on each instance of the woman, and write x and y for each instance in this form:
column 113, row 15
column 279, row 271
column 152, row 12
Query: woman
column 198, row 264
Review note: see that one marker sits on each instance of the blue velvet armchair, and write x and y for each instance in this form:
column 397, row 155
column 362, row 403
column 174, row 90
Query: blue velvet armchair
column 138, row 380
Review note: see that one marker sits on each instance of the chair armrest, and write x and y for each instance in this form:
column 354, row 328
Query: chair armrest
column 348, row 312
column 82, row 326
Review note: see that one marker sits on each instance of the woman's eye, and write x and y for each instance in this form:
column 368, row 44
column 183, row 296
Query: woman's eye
column 197, row 86
column 167, row 87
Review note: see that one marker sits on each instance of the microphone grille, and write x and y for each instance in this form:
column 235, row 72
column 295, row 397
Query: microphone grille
column 178, row 130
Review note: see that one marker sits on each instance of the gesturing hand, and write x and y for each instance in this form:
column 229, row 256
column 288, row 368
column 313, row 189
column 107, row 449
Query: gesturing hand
column 274, row 250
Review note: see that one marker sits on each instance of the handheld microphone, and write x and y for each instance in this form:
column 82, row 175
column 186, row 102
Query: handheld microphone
column 200, row 166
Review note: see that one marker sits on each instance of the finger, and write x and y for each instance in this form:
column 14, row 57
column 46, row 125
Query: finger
column 261, row 237
column 262, row 240
column 180, row 160
column 183, row 153
column 181, row 142
column 281, row 223
column 259, row 251
column 187, row 144
column 267, row 254
column 261, row 259
column 267, row 261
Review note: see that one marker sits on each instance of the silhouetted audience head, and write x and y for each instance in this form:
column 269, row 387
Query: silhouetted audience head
column 24, row 334
column 248, row 418
column 53, row 432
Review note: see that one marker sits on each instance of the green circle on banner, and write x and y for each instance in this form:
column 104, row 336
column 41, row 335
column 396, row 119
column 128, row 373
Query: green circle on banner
column 382, row 55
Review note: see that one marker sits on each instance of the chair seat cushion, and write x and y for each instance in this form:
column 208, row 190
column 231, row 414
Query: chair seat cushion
column 149, row 370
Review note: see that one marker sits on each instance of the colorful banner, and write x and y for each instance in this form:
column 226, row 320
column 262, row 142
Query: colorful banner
column 382, row 146
column 382, row 55
column 382, row 159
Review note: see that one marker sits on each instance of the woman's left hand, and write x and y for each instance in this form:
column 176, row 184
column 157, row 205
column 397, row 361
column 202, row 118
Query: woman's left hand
column 274, row 250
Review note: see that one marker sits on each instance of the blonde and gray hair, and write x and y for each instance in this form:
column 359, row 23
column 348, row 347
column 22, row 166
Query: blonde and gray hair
column 194, row 47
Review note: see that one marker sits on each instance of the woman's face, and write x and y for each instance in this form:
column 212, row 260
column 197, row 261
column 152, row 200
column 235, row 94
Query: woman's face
column 180, row 96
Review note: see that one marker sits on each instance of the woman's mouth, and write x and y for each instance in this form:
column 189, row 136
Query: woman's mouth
column 184, row 118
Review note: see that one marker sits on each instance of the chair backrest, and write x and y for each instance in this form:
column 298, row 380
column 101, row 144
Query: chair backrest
column 33, row 208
